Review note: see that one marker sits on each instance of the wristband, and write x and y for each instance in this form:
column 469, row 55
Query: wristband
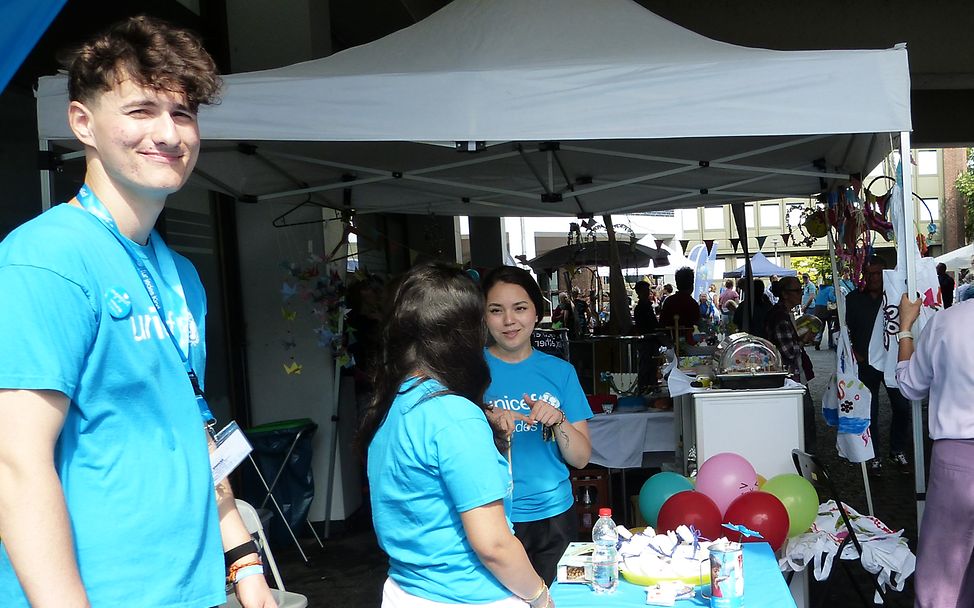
column 248, row 571
column 234, row 575
column 240, row 551
column 903, row 335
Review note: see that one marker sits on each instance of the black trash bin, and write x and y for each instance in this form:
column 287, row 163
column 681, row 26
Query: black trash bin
column 282, row 452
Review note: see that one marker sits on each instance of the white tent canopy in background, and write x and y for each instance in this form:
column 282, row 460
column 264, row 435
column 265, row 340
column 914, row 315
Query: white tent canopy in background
column 576, row 107
column 761, row 266
column 958, row 258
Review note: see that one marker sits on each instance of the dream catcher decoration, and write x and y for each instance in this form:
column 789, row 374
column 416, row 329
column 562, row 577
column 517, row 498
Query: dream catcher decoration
column 806, row 224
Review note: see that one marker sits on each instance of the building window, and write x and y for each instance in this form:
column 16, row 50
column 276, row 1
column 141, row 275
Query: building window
column 927, row 162
column 713, row 218
column 749, row 216
column 795, row 214
column 770, row 216
column 933, row 205
column 690, row 221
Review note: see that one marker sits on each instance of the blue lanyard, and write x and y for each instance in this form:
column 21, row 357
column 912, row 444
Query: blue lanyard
column 170, row 277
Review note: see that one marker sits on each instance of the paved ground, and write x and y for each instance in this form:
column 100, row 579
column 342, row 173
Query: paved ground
column 350, row 570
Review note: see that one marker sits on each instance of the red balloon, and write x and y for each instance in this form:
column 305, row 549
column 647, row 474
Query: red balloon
column 690, row 508
column 761, row 512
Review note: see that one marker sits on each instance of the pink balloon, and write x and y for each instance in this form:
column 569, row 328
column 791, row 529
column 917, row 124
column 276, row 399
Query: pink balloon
column 724, row 477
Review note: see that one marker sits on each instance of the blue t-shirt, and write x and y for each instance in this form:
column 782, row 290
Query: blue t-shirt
column 432, row 459
column 541, row 485
column 132, row 455
column 825, row 296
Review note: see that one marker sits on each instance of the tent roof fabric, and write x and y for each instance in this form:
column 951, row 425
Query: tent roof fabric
column 761, row 266
column 643, row 114
column 958, row 258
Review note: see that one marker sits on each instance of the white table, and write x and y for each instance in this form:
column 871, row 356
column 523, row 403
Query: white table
column 620, row 439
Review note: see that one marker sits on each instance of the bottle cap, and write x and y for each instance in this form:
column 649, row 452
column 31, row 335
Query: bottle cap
column 605, row 512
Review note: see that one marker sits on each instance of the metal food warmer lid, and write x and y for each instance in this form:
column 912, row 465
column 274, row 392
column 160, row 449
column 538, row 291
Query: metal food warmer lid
column 746, row 361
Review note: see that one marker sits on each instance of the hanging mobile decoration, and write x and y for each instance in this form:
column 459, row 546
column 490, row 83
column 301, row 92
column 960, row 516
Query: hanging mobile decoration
column 326, row 295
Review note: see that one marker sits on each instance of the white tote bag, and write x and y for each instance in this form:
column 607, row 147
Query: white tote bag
column 883, row 348
column 846, row 405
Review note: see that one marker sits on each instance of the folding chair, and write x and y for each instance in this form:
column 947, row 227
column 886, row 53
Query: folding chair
column 812, row 469
column 284, row 598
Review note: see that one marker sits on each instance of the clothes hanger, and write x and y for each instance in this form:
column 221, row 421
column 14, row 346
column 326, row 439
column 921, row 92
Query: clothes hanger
column 281, row 220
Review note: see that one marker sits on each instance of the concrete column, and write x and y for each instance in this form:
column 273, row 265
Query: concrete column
column 486, row 242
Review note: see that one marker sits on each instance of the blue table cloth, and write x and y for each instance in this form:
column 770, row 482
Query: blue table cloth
column 764, row 587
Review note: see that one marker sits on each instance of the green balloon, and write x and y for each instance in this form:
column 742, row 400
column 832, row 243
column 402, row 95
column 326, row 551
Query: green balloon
column 658, row 490
column 798, row 496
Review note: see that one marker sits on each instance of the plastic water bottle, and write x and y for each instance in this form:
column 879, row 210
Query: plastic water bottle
column 605, row 568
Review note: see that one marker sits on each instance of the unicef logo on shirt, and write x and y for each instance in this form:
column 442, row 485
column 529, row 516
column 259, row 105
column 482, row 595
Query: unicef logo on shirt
column 520, row 406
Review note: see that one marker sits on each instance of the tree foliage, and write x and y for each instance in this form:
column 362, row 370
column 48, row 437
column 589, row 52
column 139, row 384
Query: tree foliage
column 816, row 266
column 965, row 185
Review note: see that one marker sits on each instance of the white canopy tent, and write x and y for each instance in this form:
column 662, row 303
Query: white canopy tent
column 761, row 266
column 576, row 107
column 560, row 107
column 958, row 258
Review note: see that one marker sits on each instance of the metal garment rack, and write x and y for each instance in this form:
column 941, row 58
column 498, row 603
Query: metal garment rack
column 270, row 492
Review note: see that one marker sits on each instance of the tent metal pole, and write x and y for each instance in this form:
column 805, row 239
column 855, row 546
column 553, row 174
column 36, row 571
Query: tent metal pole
column 908, row 245
column 44, row 146
column 333, row 436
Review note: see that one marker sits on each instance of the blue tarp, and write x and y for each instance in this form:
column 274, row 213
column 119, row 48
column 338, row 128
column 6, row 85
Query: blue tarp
column 23, row 24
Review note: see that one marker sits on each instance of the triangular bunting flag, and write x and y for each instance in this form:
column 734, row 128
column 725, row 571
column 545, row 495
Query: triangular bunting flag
column 785, row 237
column 735, row 243
column 659, row 243
column 683, row 245
column 761, row 240
column 709, row 243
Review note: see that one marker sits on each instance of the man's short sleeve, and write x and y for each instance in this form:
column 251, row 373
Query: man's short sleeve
column 47, row 325
column 471, row 468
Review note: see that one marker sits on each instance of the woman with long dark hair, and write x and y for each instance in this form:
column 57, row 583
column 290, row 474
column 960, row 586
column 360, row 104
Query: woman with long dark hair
column 439, row 483
column 539, row 398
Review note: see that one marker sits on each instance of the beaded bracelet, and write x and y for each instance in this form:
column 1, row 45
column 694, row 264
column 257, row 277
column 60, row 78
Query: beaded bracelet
column 248, row 571
column 233, row 576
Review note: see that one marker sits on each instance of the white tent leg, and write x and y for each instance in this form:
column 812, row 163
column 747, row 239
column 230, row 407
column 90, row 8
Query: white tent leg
column 44, row 146
column 911, row 288
column 869, row 494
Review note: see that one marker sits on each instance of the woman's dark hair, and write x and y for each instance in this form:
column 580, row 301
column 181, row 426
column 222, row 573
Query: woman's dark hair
column 516, row 276
column 153, row 53
column 436, row 330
